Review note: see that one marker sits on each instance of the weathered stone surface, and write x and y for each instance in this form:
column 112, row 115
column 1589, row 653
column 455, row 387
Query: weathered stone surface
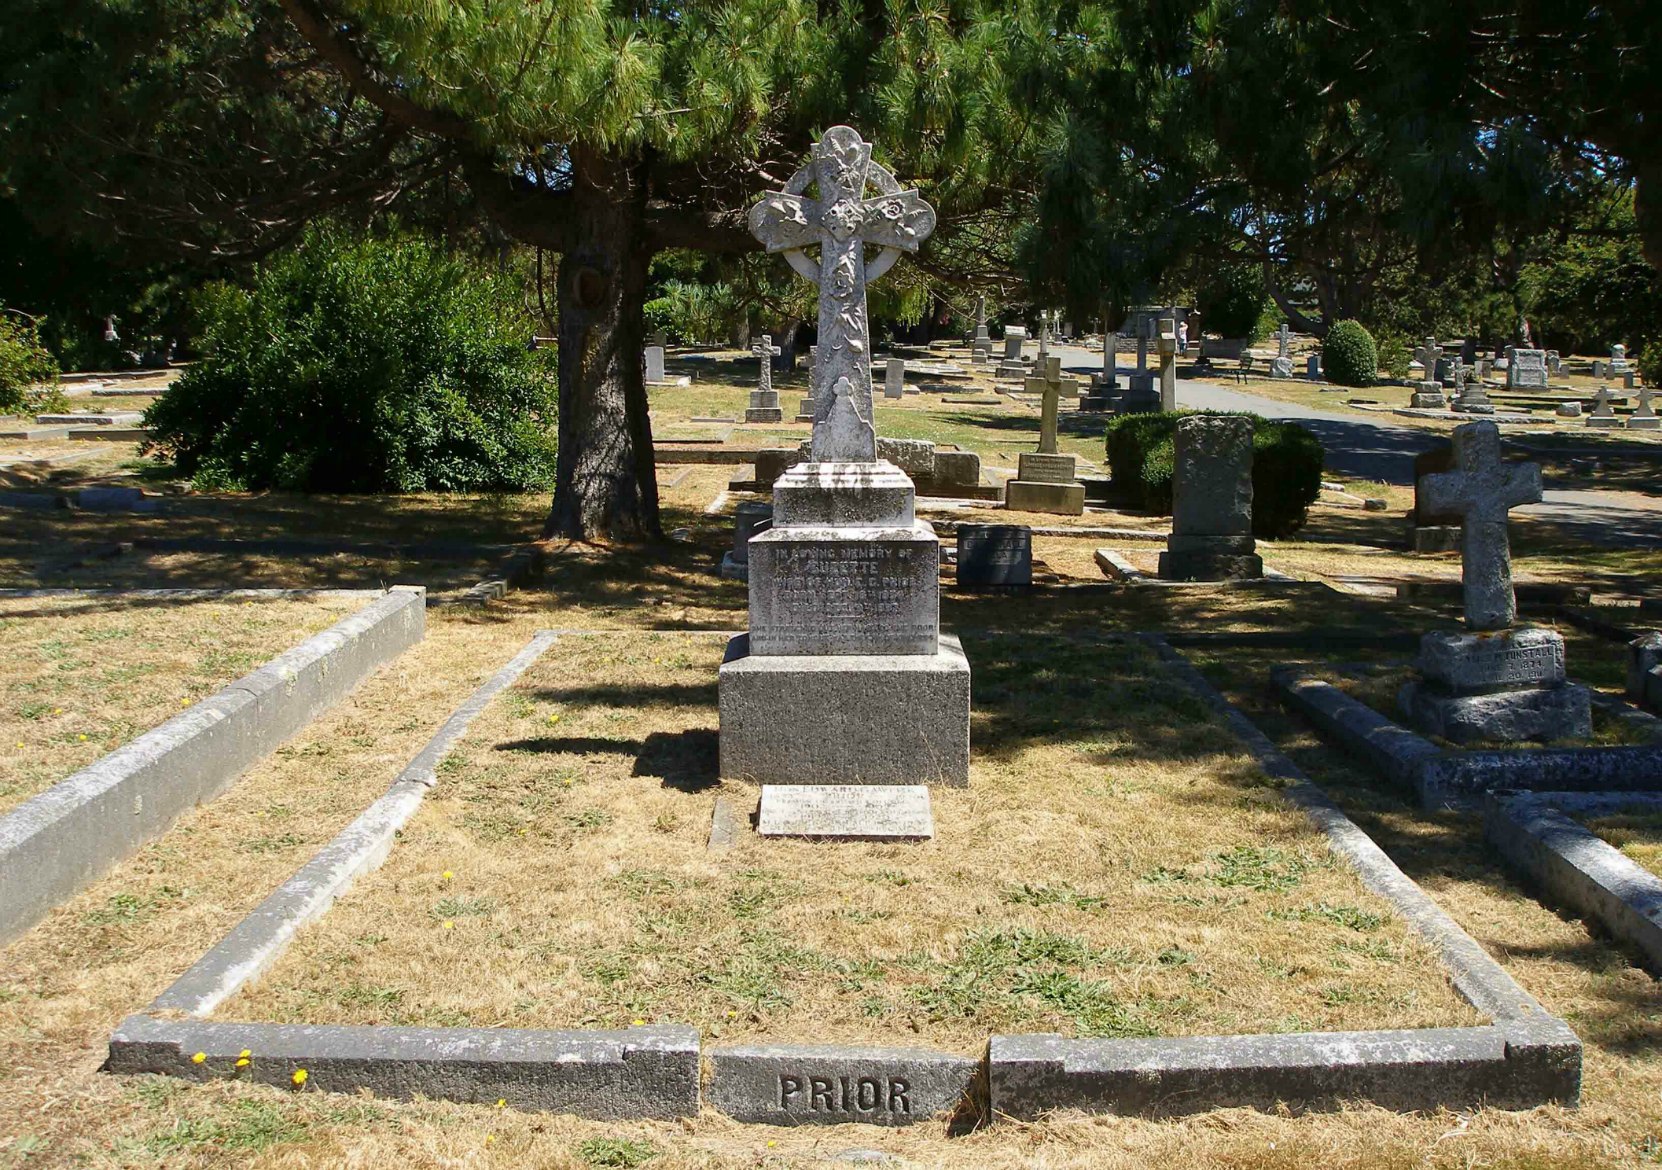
column 839, row 590
column 842, row 221
column 1481, row 491
column 1388, row 747
column 1604, row 413
column 654, row 365
column 957, row 468
column 1420, row 1069
column 644, row 1072
column 1645, row 417
column 1644, row 655
column 1206, row 565
column 1057, row 499
column 1528, row 369
column 1212, row 476
column 1575, row 868
column 749, row 518
column 1015, row 336
column 1543, row 713
column 1433, row 538
column 894, row 378
column 1483, row 663
column 832, row 1084
column 849, row 812
column 865, row 719
column 995, row 554
column 1038, row 467
column 1439, row 459
column 830, row 495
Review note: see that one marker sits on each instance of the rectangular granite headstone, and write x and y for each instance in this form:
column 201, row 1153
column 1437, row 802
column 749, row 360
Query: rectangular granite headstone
column 995, row 554
column 654, row 365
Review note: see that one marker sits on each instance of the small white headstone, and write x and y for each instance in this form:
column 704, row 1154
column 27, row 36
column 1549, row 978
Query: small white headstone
column 894, row 378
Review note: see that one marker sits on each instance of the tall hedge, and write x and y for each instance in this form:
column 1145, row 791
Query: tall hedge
column 1349, row 357
column 362, row 364
column 1286, row 467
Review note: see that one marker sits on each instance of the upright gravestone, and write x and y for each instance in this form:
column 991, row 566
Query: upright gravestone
column 764, row 400
column 805, row 405
column 1281, row 365
column 1211, row 521
column 1527, row 370
column 1313, row 367
column 894, row 378
column 981, row 347
column 1166, row 344
column 1618, row 359
column 995, row 554
column 749, row 518
column 845, row 678
column 1555, row 363
column 1013, row 365
column 655, row 366
column 1045, row 479
column 1604, row 413
column 1429, row 394
column 1098, row 393
column 1142, row 387
column 1491, row 681
column 1644, row 418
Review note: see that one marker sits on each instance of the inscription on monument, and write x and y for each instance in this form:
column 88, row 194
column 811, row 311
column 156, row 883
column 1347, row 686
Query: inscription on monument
column 857, row 1095
column 844, row 597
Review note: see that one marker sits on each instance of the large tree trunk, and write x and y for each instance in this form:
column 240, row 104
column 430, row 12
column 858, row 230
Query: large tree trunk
column 606, row 484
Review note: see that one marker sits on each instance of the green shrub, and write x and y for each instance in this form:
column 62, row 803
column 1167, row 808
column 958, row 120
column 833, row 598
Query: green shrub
column 1286, row 467
column 362, row 364
column 28, row 372
column 1394, row 355
column 1348, row 355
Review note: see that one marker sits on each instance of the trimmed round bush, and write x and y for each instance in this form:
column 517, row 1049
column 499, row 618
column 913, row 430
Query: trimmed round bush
column 363, row 364
column 1349, row 357
column 1286, row 467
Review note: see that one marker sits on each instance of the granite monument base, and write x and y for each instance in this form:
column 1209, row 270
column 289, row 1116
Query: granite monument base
column 764, row 414
column 1501, row 685
column 1433, row 538
column 1197, row 564
column 1536, row 713
column 845, row 718
column 1057, row 499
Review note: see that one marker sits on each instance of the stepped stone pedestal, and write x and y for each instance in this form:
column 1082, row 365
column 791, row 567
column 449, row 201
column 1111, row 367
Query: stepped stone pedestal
column 1045, row 483
column 1501, row 685
column 845, row 676
column 764, row 407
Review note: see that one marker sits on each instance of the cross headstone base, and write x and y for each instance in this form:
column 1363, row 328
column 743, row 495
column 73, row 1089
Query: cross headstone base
column 1506, row 686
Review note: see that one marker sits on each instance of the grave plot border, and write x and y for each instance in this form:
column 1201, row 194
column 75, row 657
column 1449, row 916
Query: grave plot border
column 54, row 844
column 1458, row 778
column 1524, row 1057
column 1574, row 867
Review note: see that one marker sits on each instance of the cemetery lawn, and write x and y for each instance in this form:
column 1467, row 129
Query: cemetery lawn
column 1637, row 834
column 84, row 675
column 1117, row 867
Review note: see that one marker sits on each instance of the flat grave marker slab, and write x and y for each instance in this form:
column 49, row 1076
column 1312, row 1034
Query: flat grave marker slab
column 847, row 812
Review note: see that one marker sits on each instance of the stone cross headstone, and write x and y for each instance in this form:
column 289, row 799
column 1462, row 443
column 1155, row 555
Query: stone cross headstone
column 764, row 400
column 1047, row 382
column 842, row 220
column 654, row 365
column 1481, row 489
column 1429, row 393
column 1428, row 354
column 981, row 318
column 1604, row 411
column 894, row 378
column 1469, row 395
column 1645, row 418
column 1281, row 366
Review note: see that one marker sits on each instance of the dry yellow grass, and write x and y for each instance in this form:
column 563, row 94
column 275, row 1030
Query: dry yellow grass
column 558, row 878
column 83, row 675
column 64, row 986
column 1638, row 835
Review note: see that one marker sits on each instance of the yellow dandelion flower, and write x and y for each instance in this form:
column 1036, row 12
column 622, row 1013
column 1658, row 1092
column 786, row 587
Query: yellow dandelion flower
column 184, row 702
column 553, row 718
column 246, row 1052
column 242, row 1062
column 501, row 1102
column 448, row 924
column 446, row 875
column 20, row 743
column 199, row 1057
column 57, row 710
column 80, row 739
column 771, row 1144
column 637, row 1023
column 299, row 1077
column 489, row 1138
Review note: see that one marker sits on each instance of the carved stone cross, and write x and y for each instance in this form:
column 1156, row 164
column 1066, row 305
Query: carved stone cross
column 1481, row 489
column 1049, row 382
column 841, row 220
column 1282, row 336
column 1429, row 354
column 765, row 352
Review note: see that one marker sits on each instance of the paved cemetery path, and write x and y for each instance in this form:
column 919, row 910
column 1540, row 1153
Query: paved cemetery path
column 1384, row 451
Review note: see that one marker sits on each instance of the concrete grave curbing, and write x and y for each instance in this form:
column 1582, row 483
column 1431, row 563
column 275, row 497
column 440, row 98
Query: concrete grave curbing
column 54, row 844
column 827, row 1084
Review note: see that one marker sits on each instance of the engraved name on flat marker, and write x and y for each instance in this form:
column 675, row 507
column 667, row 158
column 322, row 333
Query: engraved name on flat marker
column 880, row 812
